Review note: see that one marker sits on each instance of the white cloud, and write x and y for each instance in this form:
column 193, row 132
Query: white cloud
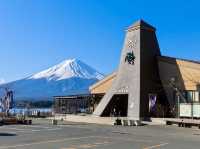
column 2, row 81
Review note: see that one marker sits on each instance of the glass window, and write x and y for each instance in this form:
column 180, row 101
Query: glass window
column 192, row 96
column 189, row 96
column 183, row 98
column 196, row 96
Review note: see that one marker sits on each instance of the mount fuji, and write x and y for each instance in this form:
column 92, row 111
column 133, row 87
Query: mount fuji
column 70, row 77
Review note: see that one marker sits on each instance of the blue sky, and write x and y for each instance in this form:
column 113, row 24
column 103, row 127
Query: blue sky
column 37, row 34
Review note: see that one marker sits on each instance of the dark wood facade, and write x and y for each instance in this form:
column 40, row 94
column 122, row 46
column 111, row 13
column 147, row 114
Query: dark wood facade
column 76, row 103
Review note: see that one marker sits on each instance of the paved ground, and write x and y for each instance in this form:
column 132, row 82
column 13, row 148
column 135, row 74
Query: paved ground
column 42, row 135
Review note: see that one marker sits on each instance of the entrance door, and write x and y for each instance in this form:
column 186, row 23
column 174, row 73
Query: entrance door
column 118, row 106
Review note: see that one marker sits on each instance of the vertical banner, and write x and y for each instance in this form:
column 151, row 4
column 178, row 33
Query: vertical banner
column 1, row 104
column 6, row 103
column 152, row 102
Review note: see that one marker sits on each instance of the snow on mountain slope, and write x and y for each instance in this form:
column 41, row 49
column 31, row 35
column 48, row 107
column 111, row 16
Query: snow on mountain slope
column 69, row 77
column 68, row 69
column 2, row 81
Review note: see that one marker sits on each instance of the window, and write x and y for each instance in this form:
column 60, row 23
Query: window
column 196, row 96
column 191, row 96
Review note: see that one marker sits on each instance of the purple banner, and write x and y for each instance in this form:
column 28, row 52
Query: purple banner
column 152, row 102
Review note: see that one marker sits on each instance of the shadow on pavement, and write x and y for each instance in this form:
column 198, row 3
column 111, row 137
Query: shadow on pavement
column 7, row 134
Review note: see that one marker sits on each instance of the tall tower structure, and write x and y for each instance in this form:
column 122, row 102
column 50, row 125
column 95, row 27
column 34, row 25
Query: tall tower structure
column 137, row 75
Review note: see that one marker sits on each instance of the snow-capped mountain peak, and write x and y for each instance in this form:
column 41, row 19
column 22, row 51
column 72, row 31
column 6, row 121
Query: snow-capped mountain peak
column 68, row 69
column 70, row 77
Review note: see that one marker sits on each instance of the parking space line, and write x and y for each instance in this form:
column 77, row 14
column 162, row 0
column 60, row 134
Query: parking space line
column 34, row 130
column 18, row 129
column 22, row 130
column 42, row 127
column 88, row 146
column 53, row 129
column 156, row 146
column 50, row 141
column 28, row 129
column 69, row 148
column 130, row 140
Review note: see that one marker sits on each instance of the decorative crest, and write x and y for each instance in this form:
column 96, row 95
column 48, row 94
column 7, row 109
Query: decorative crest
column 130, row 58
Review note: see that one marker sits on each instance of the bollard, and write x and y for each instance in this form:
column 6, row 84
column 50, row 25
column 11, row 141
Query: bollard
column 54, row 122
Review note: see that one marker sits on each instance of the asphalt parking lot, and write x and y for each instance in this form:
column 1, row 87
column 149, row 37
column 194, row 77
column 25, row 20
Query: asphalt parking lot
column 66, row 135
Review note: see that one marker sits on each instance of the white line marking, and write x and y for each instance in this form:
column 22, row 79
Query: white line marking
column 54, row 129
column 28, row 126
column 130, row 140
column 50, row 141
column 35, row 130
column 156, row 146
column 23, row 130
column 18, row 129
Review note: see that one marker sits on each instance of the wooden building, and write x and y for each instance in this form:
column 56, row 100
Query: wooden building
column 185, row 75
column 146, row 84
column 72, row 104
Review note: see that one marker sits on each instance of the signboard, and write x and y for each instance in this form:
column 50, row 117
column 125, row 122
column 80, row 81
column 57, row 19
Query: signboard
column 185, row 110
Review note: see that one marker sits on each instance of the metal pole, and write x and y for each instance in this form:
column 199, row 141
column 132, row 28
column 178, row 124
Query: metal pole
column 192, row 108
column 178, row 106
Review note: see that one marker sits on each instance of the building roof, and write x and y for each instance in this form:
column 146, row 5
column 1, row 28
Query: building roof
column 72, row 96
column 108, row 77
column 161, row 58
column 181, row 59
column 141, row 24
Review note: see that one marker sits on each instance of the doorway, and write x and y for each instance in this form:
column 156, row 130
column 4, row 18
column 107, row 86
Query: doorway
column 117, row 107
